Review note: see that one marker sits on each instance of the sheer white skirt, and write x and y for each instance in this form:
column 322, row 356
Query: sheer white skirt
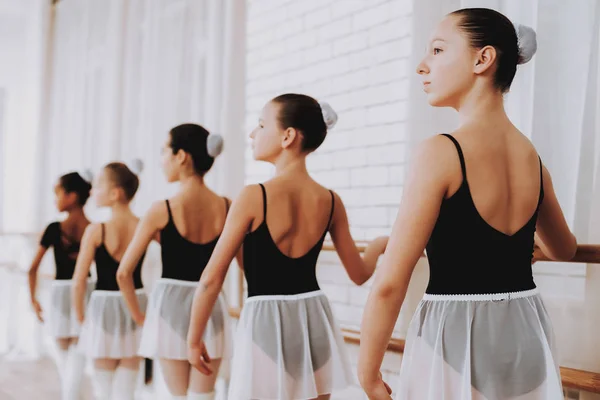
column 288, row 347
column 61, row 319
column 168, row 320
column 108, row 330
column 480, row 347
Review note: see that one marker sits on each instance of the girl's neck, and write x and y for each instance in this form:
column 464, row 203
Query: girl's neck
column 291, row 165
column 191, row 183
column 121, row 210
column 76, row 215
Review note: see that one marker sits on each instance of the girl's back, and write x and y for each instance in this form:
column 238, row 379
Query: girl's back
column 298, row 213
column 503, row 172
column 198, row 215
column 482, row 240
column 117, row 234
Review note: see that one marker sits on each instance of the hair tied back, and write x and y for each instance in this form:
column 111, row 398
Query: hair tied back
column 214, row 145
column 329, row 115
column 136, row 166
column 87, row 175
column 527, row 40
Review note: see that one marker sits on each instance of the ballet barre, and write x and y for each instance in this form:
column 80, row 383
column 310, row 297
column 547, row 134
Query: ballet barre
column 586, row 253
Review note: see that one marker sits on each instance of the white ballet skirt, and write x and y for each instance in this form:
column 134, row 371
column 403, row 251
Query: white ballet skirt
column 288, row 347
column 61, row 319
column 108, row 329
column 168, row 321
column 480, row 347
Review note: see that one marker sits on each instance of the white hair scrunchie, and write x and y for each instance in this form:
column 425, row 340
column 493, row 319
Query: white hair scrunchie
column 136, row 166
column 87, row 175
column 527, row 40
column 329, row 115
column 214, row 145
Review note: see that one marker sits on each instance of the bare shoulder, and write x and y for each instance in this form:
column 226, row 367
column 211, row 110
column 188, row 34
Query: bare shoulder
column 93, row 234
column 158, row 214
column 436, row 155
column 250, row 196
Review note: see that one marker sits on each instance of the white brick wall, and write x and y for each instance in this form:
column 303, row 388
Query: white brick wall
column 354, row 55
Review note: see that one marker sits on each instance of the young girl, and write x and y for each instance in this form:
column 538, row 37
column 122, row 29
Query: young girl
column 474, row 199
column 109, row 334
column 71, row 193
column 288, row 345
column 187, row 226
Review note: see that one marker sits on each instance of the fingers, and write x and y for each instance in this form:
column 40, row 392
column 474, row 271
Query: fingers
column 200, row 359
column 203, row 367
column 388, row 388
column 205, row 355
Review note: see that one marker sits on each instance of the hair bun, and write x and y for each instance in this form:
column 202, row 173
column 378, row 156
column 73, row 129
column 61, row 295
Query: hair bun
column 136, row 166
column 329, row 115
column 527, row 40
column 214, row 145
column 87, row 175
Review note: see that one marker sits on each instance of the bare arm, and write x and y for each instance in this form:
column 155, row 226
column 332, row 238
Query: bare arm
column 33, row 271
column 359, row 269
column 426, row 185
column 146, row 230
column 239, row 220
column 554, row 236
column 90, row 241
column 239, row 257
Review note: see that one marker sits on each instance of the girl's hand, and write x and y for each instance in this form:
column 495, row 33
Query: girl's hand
column 37, row 308
column 139, row 319
column 377, row 389
column 199, row 358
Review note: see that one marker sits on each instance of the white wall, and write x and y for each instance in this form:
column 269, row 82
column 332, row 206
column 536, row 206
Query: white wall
column 352, row 54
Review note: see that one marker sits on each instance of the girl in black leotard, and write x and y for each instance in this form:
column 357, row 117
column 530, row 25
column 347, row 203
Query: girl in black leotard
column 474, row 200
column 187, row 226
column 72, row 192
column 288, row 345
column 109, row 334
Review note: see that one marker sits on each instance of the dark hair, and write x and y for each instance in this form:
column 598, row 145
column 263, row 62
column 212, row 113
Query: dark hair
column 124, row 178
column 486, row 27
column 74, row 183
column 192, row 139
column 304, row 114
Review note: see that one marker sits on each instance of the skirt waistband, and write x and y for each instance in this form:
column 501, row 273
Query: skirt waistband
column 68, row 282
column 482, row 297
column 178, row 282
column 113, row 293
column 286, row 297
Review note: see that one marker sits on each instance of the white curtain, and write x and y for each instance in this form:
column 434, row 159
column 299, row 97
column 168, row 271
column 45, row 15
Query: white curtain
column 112, row 78
column 24, row 28
column 124, row 72
column 554, row 100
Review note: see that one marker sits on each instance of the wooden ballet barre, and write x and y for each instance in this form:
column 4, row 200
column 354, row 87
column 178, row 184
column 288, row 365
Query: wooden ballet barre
column 24, row 234
column 586, row 253
column 580, row 380
column 360, row 245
